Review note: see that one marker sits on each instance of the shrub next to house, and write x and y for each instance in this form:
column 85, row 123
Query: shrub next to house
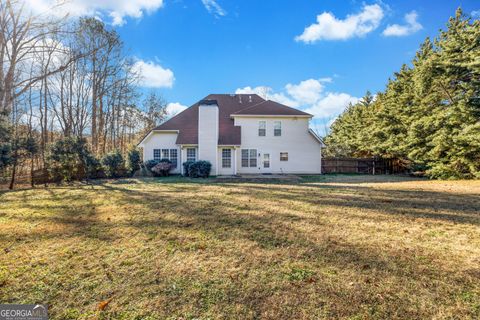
column 162, row 169
column 159, row 171
column 149, row 164
column 199, row 169
column 186, row 167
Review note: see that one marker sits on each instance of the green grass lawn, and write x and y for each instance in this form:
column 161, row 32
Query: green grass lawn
column 350, row 247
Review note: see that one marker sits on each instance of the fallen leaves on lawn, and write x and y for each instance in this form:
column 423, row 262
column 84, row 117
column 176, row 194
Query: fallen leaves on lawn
column 102, row 305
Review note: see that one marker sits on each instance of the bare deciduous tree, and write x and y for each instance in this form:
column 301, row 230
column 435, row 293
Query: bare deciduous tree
column 64, row 77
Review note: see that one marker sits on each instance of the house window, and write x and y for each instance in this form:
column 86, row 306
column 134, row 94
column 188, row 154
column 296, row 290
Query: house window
column 191, row 154
column 156, row 154
column 170, row 154
column 262, row 128
column 249, row 158
column 226, row 158
column 283, row 156
column 245, row 158
column 266, row 160
column 165, row 153
column 174, row 157
column 253, row 157
column 277, row 128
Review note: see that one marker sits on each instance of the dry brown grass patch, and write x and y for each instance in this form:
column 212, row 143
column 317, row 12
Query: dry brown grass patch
column 327, row 247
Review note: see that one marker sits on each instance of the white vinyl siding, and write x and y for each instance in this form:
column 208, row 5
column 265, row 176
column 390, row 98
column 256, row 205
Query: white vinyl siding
column 304, row 151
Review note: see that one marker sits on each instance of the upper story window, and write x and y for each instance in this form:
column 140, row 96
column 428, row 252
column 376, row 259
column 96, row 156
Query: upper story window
column 277, row 128
column 249, row 158
column 262, row 128
column 191, row 154
column 283, row 156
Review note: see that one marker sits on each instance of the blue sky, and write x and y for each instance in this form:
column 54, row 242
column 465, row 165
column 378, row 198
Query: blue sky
column 314, row 55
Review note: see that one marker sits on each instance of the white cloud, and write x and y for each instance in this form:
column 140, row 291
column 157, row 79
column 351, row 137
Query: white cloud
column 308, row 95
column 306, row 92
column 261, row 91
column 214, row 8
column 331, row 105
column 326, row 79
column 268, row 93
column 328, row 27
column 397, row 30
column 117, row 10
column 475, row 13
column 175, row 107
column 153, row 75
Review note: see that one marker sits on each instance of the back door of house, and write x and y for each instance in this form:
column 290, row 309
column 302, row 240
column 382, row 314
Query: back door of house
column 266, row 164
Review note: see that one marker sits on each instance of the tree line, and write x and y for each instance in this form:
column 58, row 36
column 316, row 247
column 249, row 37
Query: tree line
column 429, row 114
column 66, row 78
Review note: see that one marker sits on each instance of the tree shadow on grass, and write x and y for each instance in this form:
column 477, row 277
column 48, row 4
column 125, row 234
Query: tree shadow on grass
column 273, row 229
column 440, row 206
column 357, row 178
column 192, row 209
column 79, row 214
column 75, row 215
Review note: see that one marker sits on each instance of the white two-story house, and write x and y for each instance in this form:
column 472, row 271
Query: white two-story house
column 238, row 134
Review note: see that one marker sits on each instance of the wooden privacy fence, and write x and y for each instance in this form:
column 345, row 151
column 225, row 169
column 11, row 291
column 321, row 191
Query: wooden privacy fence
column 40, row 176
column 363, row 165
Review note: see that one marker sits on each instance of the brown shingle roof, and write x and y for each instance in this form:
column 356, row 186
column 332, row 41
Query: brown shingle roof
column 269, row 108
column 187, row 121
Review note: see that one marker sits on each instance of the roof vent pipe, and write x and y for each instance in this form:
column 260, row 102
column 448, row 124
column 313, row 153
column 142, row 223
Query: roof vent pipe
column 240, row 98
column 250, row 99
